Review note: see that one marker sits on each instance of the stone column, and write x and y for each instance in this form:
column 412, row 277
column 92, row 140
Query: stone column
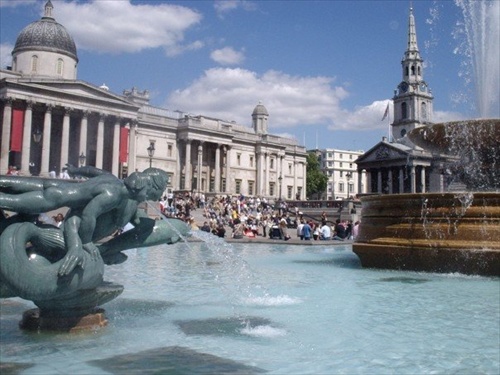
column 294, row 191
column 65, row 137
column 187, row 177
column 413, row 181
column 217, row 169
column 401, row 180
column 389, row 181
column 116, row 148
column 100, row 142
column 379, row 182
column 6, row 125
column 47, row 126
column 259, row 162
column 83, row 134
column 266, row 178
column 228, row 170
column 132, row 165
column 25, row 155
column 200, row 167
column 422, row 180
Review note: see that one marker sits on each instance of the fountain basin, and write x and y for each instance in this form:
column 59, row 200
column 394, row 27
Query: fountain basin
column 434, row 232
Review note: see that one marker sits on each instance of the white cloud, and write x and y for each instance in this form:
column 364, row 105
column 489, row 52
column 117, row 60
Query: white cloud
column 223, row 7
column 119, row 26
column 231, row 94
column 227, row 56
column 5, row 55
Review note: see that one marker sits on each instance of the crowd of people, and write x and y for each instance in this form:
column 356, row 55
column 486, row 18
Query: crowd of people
column 238, row 217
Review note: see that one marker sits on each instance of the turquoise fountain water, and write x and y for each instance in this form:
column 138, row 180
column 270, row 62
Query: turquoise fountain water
column 201, row 308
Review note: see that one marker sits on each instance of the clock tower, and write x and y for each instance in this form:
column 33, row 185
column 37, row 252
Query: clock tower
column 412, row 98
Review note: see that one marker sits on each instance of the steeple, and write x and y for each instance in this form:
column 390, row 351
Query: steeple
column 413, row 98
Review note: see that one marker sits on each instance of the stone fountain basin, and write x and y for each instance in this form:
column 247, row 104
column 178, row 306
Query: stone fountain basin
column 435, row 232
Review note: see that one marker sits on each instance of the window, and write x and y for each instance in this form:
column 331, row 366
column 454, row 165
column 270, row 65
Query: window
column 34, row 63
column 289, row 168
column 251, row 161
column 341, row 187
column 238, row 187
column 271, row 163
column 238, row 159
column 330, row 164
column 350, row 156
column 169, row 150
column 223, row 184
column 212, row 184
column 272, row 187
column 341, row 173
column 424, row 111
column 351, row 188
column 289, row 190
column 250, row 187
column 340, row 164
column 404, row 111
column 341, row 156
column 299, row 192
column 330, row 155
column 60, row 66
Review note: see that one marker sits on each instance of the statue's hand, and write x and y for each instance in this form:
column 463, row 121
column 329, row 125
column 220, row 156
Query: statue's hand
column 92, row 249
column 72, row 259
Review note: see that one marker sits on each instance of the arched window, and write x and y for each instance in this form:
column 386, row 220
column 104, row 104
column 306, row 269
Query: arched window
column 404, row 110
column 423, row 110
column 60, row 67
column 418, row 70
column 407, row 71
column 413, row 70
column 34, row 63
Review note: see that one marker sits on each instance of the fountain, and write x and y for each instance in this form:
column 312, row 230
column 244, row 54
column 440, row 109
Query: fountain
column 451, row 231
column 61, row 269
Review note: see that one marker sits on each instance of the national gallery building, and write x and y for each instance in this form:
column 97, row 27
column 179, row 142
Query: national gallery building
column 50, row 118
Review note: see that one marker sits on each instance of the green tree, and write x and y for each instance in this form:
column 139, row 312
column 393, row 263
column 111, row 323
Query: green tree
column 316, row 179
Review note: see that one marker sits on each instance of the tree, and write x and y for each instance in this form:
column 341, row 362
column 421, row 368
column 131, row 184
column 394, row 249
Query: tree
column 316, row 179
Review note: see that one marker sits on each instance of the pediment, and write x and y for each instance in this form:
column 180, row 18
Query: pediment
column 384, row 151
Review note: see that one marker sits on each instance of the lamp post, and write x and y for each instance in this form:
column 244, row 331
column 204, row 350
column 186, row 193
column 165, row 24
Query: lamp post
column 37, row 137
column 82, row 159
column 151, row 153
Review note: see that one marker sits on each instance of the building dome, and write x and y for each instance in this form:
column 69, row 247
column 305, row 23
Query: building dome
column 260, row 110
column 46, row 35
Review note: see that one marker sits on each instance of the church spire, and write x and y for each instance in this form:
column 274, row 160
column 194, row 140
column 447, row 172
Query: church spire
column 412, row 34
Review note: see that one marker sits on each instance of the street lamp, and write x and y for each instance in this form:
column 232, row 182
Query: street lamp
column 151, row 153
column 37, row 136
column 82, row 159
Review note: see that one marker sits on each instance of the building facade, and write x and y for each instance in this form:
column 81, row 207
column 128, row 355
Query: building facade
column 50, row 118
column 397, row 165
column 344, row 180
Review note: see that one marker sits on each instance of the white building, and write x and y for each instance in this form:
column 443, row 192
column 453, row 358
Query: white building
column 50, row 118
column 344, row 181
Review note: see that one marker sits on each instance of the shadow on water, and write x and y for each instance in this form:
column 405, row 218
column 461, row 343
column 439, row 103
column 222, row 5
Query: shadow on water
column 173, row 360
column 220, row 326
column 348, row 260
column 404, row 280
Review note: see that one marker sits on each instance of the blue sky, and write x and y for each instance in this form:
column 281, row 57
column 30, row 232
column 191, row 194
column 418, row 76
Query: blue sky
column 325, row 70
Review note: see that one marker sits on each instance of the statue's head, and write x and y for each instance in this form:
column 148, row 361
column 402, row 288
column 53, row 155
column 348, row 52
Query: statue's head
column 147, row 185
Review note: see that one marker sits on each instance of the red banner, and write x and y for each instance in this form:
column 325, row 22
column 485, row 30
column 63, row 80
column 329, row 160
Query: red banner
column 123, row 145
column 16, row 135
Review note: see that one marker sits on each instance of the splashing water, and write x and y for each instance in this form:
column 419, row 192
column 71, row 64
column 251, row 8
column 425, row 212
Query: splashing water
column 480, row 32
